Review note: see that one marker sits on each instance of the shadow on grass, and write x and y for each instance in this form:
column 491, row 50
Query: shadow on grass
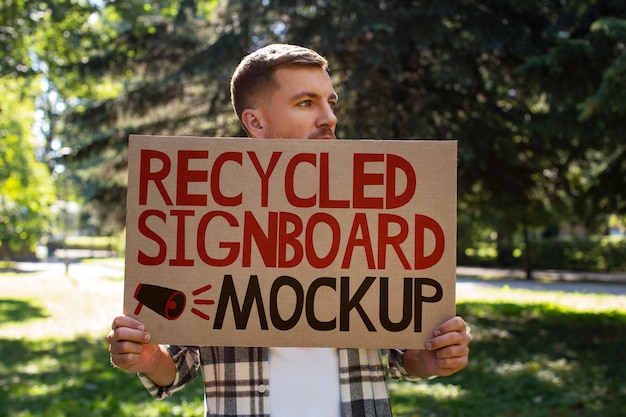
column 13, row 270
column 529, row 360
column 73, row 378
column 20, row 310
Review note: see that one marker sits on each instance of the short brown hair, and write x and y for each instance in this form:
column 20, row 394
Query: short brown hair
column 255, row 74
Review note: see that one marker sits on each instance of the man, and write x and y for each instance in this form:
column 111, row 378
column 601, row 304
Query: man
column 284, row 91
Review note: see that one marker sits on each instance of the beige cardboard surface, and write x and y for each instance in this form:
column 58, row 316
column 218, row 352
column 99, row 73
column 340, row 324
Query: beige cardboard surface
column 255, row 242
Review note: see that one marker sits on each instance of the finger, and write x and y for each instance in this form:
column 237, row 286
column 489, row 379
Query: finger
column 127, row 361
column 448, row 339
column 454, row 351
column 125, row 347
column 122, row 334
column 450, row 366
column 455, row 324
column 125, row 321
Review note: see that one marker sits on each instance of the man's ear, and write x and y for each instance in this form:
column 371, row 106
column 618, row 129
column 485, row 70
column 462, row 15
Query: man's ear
column 253, row 123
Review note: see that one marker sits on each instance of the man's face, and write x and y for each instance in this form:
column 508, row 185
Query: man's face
column 302, row 107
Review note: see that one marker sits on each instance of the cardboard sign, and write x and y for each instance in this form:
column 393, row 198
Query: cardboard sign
column 255, row 242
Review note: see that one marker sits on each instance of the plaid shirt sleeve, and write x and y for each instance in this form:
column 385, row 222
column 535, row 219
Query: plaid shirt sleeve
column 187, row 361
column 363, row 384
column 395, row 365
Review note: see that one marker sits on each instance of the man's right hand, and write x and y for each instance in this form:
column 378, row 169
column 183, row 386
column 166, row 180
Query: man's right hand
column 130, row 350
column 127, row 344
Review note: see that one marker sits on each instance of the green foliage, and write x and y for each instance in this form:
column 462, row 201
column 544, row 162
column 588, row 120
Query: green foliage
column 113, row 244
column 603, row 255
column 15, row 26
column 577, row 76
column 482, row 74
column 26, row 191
column 533, row 92
column 90, row 242
column 584, row 255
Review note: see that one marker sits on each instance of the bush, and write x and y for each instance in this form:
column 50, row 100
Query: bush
column 604, row 254
column 105, row 243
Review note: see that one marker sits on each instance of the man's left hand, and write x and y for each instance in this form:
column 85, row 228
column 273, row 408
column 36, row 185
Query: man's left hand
column 445, row 354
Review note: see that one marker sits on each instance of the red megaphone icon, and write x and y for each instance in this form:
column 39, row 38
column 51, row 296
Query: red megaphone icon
column 166, row 302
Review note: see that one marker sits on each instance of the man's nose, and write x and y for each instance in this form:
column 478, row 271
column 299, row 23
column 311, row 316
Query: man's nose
column 327, row 116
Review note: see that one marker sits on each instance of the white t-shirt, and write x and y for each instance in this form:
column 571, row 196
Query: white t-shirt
column 304, row 382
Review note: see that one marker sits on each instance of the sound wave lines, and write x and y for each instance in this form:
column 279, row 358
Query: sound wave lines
column 202, row 302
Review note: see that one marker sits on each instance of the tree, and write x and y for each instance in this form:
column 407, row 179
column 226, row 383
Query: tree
column 531, row 91
column 587, row 52
column 36, row 38
column 26, row 192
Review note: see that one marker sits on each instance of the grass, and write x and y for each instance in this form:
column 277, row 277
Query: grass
column 529, row 359
column 534, row 354
column 52, row 377
column 54, row 358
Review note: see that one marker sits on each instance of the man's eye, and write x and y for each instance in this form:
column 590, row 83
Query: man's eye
column 305, row 103
column 333, row 105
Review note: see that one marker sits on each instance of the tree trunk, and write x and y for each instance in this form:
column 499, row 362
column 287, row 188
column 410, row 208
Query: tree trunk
column 528, row 262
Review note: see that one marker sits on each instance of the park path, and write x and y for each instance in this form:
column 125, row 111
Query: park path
column 82, row 301
column 562, row 281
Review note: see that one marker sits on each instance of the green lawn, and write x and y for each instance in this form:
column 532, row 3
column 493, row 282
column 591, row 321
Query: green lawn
column 529, row 360
column 533, row 355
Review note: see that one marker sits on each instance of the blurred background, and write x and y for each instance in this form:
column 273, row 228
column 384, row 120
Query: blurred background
column 534, row 92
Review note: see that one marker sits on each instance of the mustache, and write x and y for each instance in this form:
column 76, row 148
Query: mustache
column 324, row 131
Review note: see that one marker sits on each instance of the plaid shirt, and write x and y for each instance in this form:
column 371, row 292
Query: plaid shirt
column 237, row 384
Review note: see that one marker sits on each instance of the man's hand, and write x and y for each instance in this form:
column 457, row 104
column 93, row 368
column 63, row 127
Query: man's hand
column 445, row 354
column 129, row 349
column 127, row 341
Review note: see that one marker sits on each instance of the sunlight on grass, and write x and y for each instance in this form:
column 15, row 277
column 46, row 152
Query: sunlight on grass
column 437, row 391
column 45, row 363
column 50, row 303
column 112, row 260
column 574, row 301
column 543, row 369
column 8, row 265
column 117, row 278
column 412, row 398
column 41, row 390
column 156, row 409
